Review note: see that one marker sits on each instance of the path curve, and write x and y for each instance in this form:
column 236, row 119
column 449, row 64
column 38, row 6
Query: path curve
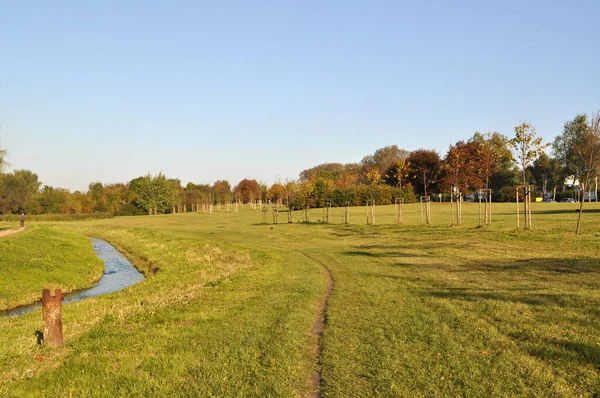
column 318, row 327
column 11, row 231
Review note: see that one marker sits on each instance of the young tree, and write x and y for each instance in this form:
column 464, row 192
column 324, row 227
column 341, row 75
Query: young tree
column 527, row 146
column 578, row 149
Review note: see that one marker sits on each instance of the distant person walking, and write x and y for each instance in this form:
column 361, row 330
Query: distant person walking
column 22, row 220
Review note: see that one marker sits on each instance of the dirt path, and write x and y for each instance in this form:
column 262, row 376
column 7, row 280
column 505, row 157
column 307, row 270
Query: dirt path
column 318, row 327
column 11, row 231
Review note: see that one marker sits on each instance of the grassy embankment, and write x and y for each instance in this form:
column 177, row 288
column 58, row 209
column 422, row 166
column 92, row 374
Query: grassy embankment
column 417, row 310
column 40, row 258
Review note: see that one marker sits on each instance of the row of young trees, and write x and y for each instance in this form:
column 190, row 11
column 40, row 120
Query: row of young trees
column 484, row 161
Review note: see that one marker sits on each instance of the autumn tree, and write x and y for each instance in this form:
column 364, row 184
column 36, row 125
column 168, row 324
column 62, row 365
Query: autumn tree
column 221, row 191
column 276, row 193
column 248, row 190
column 461, row 166
column 424, row 168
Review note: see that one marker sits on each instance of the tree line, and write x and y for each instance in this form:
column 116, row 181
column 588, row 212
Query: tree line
column 484, row 161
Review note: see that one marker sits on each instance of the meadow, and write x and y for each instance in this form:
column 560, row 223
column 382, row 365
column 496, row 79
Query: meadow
column 229, row 305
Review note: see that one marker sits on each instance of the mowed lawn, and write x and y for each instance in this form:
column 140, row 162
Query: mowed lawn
column 416, row 310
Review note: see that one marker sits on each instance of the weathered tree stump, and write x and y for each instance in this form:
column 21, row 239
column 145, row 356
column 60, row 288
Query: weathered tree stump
column 52, row 313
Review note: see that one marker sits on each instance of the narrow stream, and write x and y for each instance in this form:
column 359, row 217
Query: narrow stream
column 118, row 274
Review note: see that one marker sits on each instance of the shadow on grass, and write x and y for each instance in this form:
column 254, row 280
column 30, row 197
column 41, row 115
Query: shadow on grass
column 582, row 353
column 364, row 253
column 570, row 211
column 523, row 296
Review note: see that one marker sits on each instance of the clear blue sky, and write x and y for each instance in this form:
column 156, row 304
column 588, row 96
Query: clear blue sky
column 205, row 90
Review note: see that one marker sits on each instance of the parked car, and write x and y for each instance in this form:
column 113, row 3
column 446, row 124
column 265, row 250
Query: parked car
column 567, row 200
column 549, row 200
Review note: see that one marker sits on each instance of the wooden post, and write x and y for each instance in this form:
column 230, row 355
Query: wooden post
column 479, row 196
column 429, row 210
column 427, row 200
column 372, row 212
column 402, row 211
column 346, row 214
column 517, row 197
column 451, row 207
column 490, row 209
column 458, row 209
column 52, row 314
column 398, row 210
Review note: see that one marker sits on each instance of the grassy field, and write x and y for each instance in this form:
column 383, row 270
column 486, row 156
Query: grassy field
column 416, row 310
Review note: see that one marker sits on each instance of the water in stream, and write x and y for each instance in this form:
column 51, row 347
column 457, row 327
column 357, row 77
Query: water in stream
column 118, row 274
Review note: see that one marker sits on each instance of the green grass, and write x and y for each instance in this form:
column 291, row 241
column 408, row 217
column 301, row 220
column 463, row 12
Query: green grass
column 416, row 310
column 41, row 257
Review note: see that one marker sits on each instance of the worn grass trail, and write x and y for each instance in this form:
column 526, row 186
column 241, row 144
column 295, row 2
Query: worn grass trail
column 416, row 310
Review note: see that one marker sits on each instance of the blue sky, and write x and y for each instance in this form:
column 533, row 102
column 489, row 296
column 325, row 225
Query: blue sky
column 205, row 90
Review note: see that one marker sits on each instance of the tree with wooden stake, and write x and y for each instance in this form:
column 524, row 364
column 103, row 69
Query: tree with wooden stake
column 275, row 213
column 399, row 210
column 578, row 150
column 486, row 194
column 456, row 201
column 265, row 214
column 346, row 213
column 426, row 200
column 527, row 147
column 370, row 212
column 326, row 210
column 526, row 196
column 460, row 173
column 305, row 192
